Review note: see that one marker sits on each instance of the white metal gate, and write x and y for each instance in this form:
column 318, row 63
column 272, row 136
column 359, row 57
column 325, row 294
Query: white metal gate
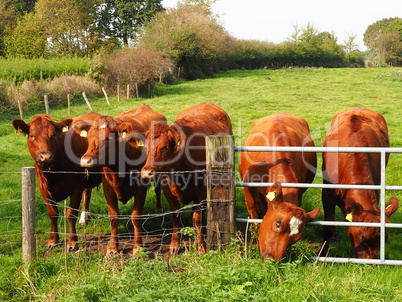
column 382, row 187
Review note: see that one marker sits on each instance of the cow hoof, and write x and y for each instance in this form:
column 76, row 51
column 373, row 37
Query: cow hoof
column 51, row 246
column 111, row 253
column 72, row 249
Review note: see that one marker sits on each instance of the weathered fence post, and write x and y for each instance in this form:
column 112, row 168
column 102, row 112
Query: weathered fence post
column 20, row 109
column 221, row 220
column 105, row 94
column 118, row 93
column 28, row 214
column 69, row 104
column 47, row 104
column 87, row 101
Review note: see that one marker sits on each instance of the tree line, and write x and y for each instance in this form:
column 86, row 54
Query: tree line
column 190, row 36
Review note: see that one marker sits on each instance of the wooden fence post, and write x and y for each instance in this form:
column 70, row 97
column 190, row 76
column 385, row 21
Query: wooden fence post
column 28, row 214
column 221, row 220
column 87, row 101
column 69, row 104
column 118, row 93
column 47, row 104
column 20, row 109
column 128, row 91
column 105, row 94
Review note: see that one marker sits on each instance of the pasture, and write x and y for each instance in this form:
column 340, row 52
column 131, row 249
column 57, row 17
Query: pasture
column 314, row 94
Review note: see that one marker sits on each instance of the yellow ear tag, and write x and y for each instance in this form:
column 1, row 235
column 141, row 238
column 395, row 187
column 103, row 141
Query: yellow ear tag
column 124, row 134
column 349, row 217
column 64, row 129
column 19, row 131
column 178, row 143
column 140, row 143
column 84, row 133
column 271, row 196
column 388, row 206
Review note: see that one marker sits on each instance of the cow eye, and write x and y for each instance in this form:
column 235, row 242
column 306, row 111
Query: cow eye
column 278, row 223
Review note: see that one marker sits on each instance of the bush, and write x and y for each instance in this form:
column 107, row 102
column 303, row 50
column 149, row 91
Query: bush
column 192, row 38
column 355, row 58
column 137, row 67
column 31, row 92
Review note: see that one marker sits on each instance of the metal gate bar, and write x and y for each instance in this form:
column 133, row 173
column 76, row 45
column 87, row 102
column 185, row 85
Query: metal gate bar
column 382, row 187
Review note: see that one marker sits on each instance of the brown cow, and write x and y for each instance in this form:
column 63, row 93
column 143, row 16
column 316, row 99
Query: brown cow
column 279, row 207
column 180, row 147
column 55, row 148
column 355, row 128
column 116, row 145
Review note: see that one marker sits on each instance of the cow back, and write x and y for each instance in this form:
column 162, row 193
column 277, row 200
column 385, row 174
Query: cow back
column 359, row 127
column 290, row 167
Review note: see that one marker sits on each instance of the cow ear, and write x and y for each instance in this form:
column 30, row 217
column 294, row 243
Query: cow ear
column 65, row 124
column 392, row 206
column 310, row 216
column 20, row 126
column 274, row 193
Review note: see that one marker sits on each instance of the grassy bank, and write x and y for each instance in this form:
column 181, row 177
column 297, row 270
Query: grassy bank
column 314, row 94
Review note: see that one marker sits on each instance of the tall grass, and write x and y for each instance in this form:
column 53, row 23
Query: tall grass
column 19, row 69
column 314, row 94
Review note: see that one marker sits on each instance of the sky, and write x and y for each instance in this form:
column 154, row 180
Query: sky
column 274, row 20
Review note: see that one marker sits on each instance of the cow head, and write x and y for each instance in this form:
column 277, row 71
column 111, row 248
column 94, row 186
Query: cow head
column 43, row 137
column 366, row 240
column 131, row 143
column 101, row 137
column 282, row 224
column 164, row 145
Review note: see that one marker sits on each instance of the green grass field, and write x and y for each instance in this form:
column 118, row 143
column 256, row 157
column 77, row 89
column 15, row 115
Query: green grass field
column 314, row 94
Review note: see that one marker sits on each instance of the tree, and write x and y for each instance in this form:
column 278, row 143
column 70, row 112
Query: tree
column 192, row 38
column 22, row 6
column 67, row 25
column 384, row 39
column 8, row 21
column 296, row 35
column 123, row 18
column 350, row 43
column 26, row 40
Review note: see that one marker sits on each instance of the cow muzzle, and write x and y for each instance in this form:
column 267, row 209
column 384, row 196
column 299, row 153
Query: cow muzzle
column 44, row 158
column 88, row 162
column 148, row 172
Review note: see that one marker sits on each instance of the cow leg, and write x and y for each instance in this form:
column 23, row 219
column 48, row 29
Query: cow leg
column 249, row 199
column 198, row 214
column 328, row 202
column 86, row 197
column 53, row 213
column 174, row 207
column 72, row 214
column 113, row 210
column 157, row 189
column 139, row 201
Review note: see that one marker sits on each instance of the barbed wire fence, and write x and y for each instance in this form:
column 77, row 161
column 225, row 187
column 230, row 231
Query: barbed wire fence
column 94, row 237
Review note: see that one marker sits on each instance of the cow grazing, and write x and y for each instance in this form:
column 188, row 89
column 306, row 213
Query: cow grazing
column 355, row 128
column 116, row 145
column 55, row 148
column 180, row 148
column 279, row 207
